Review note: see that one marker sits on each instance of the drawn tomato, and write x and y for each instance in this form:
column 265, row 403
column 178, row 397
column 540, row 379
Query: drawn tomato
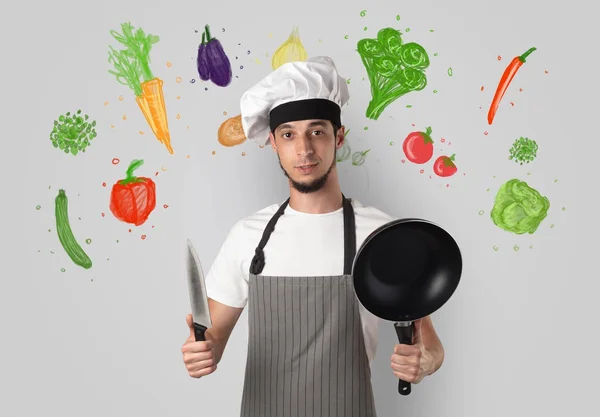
column 418, row 146
column 133, row 199
column 444, row 166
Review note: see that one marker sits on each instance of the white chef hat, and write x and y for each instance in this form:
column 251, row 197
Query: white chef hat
column 299, row 90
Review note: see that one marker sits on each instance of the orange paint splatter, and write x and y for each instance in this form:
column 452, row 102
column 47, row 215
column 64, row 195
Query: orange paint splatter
column 106, row 103
column 153, row 226
column 499, row 57
column 481, row 88
column 243, row 153
column 124, row 117
column 422, row 171
column 447, row 185
column 485, row 133
column 178, row 79
column 188, row 157
column 512, row 104
column 169, row 64
column 156, row 173
column 178, row 116
column 120, row 98
column 188, row 126
column 115, row 161
column 165, row 205
column 213, row 152
column 163, row 168
column 443, row 140
column 129, row 230
column 143, row 237
column 403, row 161
column 546, row 71
column 104, row 184
column 224, row 113
column 112, row 126
column 520, row 89
column 103, row 214
column 141, row 132
column 178, row 97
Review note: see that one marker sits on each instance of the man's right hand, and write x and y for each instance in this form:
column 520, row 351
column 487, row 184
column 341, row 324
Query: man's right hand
column 198, row 357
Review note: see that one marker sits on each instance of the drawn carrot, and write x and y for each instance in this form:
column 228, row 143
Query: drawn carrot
column 132, row 68
column 507, row 77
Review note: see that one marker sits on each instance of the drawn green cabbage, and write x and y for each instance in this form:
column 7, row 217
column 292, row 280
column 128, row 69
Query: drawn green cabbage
column 518, row 208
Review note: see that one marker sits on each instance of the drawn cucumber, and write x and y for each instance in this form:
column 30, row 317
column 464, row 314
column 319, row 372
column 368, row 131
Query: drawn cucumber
column 65, row 234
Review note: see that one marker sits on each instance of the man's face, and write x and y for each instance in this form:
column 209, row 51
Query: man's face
column 307, row 152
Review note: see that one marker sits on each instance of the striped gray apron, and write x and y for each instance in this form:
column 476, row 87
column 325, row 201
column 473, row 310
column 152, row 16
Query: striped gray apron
column 306, row 349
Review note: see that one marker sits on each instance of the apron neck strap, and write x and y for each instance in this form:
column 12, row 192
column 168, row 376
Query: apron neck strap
column 258, row 261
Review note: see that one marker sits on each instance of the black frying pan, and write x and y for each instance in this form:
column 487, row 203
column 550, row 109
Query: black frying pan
column 404, row 271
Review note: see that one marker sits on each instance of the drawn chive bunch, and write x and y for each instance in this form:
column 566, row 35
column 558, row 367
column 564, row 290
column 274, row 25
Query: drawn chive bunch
column 523, row 150
column 73, row 133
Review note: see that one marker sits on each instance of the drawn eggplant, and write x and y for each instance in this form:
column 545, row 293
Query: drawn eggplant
column 213, row 63
column 201, row 60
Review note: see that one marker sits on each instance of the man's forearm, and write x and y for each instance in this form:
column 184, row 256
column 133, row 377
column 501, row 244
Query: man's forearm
column 438, row 357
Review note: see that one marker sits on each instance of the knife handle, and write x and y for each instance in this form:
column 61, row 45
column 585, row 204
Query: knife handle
column 199, row 332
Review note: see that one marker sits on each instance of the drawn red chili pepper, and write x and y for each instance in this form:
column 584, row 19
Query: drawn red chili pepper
column 507, row 77
column 133, row 199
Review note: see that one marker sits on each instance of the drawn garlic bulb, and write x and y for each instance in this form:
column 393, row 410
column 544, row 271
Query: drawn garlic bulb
column 289, row 51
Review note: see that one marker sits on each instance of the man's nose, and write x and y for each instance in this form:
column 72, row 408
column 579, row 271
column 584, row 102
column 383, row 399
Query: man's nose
column 304, row 146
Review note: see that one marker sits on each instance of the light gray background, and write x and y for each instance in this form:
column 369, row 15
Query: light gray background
column 519, row 333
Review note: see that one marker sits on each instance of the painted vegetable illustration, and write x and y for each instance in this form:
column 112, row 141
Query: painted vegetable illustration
column 231, row 132
column 65, row 233
column 132, row 199
column 394, row 68
column 444, row 166
column 73, row 133
column 132, row 68
column 212, row 61
column 523, row 150
column 505, row 80
column 418, row 146
column 345, row 151
column 289, row 51
column 518, row 208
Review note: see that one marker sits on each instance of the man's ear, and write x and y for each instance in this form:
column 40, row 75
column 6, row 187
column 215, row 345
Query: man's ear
column 272, row 140
column 341, row 135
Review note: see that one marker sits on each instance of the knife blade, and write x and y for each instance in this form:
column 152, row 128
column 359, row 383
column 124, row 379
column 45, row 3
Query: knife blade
column 198, row 296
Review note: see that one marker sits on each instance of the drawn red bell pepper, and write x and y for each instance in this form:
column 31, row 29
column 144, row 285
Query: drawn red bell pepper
column 132, row 199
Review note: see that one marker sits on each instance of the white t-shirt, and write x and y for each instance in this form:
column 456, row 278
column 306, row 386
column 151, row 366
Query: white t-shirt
column 319, row 238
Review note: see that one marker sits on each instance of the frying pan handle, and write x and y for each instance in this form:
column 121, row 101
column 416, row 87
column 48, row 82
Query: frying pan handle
column 199, row 332
column 404, row 330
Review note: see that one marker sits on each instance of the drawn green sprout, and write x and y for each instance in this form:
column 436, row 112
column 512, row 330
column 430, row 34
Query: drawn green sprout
column 523, row 150
column 394, row 68
column 345, row 152
column 518, row 208
column 73, row 133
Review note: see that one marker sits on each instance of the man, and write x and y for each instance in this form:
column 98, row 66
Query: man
column 310, row 341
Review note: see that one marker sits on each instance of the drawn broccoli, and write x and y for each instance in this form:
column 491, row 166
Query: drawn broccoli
column 518, row 208
column 73, row 133
column 523, row 150
column 394, row 68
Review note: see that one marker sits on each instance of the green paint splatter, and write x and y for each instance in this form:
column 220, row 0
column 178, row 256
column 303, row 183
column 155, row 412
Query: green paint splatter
column 518, row 208
column 73, row 133
column 481, row 212
column 398, row 17
column 523, row 150
column 346, row 37
column 62, row 269
column 38, row 207
column 363, row 13
column 435, row 91
column 365, row 28
column 552, row 226
column 516, row 248
column 391, row 143
column 450, row 71
column 435, row 54
column 564, row 208
column 495, row 248
column 366, row 127
column 408, row 106
column 348, row 81
column 88, row 241
column 407, row 30
column 431, row 30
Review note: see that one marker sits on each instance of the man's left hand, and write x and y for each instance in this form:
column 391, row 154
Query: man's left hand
column 412, row 363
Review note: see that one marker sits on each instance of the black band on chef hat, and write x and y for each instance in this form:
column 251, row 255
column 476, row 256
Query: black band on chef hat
column 312, row 108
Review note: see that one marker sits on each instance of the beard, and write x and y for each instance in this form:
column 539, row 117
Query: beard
column 312, row 186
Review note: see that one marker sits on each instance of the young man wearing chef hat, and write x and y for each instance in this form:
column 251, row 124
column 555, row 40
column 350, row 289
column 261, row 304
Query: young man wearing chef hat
column 310, row 341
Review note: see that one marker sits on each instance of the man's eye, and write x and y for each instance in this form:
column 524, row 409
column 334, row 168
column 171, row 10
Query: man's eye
column 318, row 131
column 286, row 134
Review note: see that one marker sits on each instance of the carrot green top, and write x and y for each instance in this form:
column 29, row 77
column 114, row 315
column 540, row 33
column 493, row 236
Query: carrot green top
column 132, row 64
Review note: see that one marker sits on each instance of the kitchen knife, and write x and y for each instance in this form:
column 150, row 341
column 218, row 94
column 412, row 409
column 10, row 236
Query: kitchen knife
column 198, row 296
